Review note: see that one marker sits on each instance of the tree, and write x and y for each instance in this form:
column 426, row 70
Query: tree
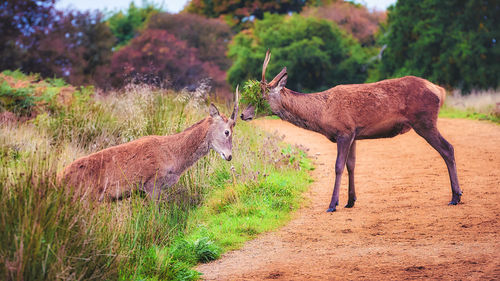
column 19, row 19
column 449, row 42
column 126, row 26
column 74, row 47
column 356, row 19
column 316, row 52
column 209, row 36
column 159, row 58
column 236, row 12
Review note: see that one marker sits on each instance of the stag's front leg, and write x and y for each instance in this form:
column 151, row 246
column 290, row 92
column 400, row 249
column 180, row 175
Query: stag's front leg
column 351, row 161
column 343, row 145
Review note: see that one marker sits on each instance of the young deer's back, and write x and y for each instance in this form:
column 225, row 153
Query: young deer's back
column 112, row 172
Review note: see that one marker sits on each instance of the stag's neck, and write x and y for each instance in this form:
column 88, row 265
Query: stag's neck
column 302, row 110
column 190, row 145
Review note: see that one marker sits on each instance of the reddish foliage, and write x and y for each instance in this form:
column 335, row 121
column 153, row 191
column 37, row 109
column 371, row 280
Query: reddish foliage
column 73, row 46
column 355, row 19
column 18, row 21
column 159, row 58
column 209, row 36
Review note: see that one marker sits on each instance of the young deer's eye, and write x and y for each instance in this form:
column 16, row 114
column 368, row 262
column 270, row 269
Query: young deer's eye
column 226, row 132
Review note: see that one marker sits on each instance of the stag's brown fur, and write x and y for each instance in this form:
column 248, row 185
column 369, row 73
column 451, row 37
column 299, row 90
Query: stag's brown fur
column 374, row 110
column 347, row 113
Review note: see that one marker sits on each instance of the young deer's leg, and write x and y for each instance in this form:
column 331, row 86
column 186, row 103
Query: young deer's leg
column 152, row 189
column 434, row 138
column 351, row 162
column 343, row 145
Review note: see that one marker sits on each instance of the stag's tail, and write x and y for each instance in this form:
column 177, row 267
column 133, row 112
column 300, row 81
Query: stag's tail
column 440, row 92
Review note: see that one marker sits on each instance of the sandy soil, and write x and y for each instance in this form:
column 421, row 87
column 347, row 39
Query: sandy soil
column 401, row 227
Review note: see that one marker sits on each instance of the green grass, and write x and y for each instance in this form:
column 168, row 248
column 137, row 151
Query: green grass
column 236, row 212
column 451, row 112
column 48, row 233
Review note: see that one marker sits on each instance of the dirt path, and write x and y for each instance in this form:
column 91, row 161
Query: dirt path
column 401, row 226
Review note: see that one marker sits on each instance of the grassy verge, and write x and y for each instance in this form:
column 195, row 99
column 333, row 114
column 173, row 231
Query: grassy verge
column 49, row 234
column 477, row 105
column 452, row 112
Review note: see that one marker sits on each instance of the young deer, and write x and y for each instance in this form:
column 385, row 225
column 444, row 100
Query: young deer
column 347, row 113
column 151, row 163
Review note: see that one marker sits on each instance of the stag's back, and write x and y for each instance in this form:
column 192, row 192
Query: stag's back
column 385, row 108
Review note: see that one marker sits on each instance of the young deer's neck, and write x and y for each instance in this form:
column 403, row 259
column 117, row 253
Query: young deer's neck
column 302, row 110
column 191, row 144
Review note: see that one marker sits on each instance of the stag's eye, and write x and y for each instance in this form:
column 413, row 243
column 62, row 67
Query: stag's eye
column 226, row 132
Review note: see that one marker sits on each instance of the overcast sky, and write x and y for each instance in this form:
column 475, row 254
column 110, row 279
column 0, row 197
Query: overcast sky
column 172, row 6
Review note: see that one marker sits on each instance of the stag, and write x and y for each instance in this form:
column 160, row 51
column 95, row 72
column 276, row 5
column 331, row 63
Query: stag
column 347, row 113
column 151, row 163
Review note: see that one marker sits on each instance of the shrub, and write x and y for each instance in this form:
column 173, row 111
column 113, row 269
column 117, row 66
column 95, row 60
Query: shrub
column 317, row 54
column 356, row 19
column 157, row 58
column 449, row 42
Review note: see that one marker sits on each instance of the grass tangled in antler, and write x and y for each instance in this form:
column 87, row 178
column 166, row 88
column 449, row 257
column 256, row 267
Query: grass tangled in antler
column 251, row 95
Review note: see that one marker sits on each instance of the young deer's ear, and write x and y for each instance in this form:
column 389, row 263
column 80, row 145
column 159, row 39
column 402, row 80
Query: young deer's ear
column 214, row 112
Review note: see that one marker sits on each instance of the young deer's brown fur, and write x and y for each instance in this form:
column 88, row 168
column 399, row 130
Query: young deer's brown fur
column 347, row 113
column 151, row 163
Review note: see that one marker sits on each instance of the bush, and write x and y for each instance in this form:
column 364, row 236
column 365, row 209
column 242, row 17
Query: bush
column 208, row 36
column 449, row 42
column 157, row 58
column 356, row 19
column 317, row 54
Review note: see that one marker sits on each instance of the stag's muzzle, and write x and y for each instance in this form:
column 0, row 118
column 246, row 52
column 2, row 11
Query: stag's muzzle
column 248, row 114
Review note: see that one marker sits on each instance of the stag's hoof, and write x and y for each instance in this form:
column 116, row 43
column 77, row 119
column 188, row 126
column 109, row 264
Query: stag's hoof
column 330, row 210
column 455, row 199
column 349, row 205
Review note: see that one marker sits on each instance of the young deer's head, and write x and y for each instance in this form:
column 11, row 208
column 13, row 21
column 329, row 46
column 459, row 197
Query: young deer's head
column 221, row 131
column 269, row 91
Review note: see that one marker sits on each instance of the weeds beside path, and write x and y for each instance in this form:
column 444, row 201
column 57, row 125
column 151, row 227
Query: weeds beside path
column 401, row 226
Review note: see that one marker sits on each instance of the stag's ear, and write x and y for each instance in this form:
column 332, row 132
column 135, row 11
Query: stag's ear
column 214, row 112
column 282, row 82
column 276, row 80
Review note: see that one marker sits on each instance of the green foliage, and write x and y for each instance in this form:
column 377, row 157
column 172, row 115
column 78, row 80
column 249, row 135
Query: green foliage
column 240, row 13
column 317, row 54
column 252, row 95
column 449, row 42
column 19, row 101
column 126, row 25
column 25, row 95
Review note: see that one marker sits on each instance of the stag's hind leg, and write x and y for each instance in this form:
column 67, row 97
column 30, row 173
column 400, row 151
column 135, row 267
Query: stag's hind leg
column 351, row 162
column 445, row 149
column 343, row 145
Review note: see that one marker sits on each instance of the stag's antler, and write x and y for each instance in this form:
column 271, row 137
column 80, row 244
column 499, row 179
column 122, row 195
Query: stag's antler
column 264, row 66
column 234, row 115
column 263, row 82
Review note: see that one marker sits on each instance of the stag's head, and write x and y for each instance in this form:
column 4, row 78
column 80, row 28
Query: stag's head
column 269, row 91
column 221, row 131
